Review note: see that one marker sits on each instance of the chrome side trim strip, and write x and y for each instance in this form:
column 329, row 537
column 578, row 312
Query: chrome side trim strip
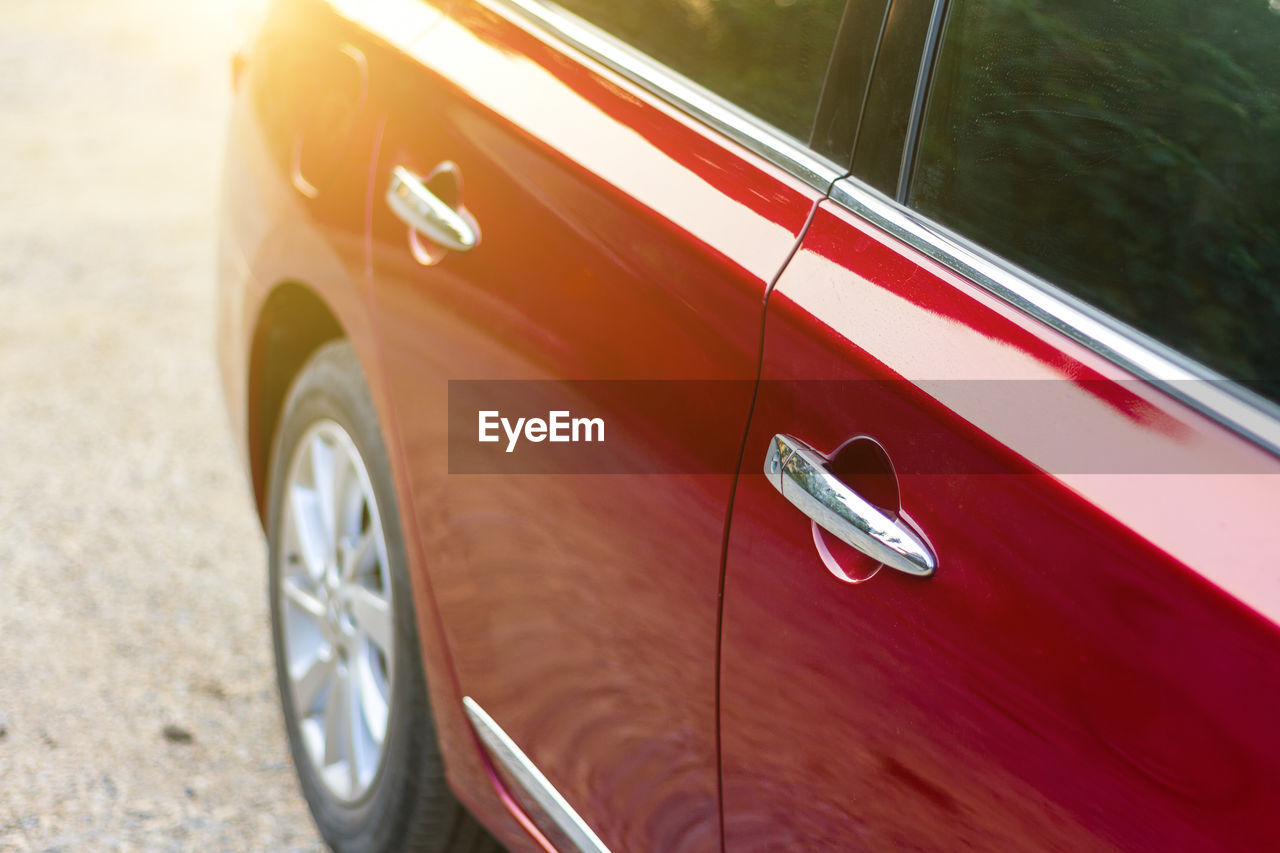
column 530, row 779
column 1214, row 396
column 679, row 91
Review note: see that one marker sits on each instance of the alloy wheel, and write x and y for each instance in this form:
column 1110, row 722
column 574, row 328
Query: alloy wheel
column 336, row 610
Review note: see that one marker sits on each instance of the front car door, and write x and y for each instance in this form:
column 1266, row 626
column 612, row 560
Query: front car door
column 1048, row 234
column 622, row 226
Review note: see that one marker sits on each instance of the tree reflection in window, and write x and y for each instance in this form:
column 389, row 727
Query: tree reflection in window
column 1128, row 152
column 766, row 56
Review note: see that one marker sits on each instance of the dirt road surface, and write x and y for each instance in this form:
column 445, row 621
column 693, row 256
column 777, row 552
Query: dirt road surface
column 131, row 566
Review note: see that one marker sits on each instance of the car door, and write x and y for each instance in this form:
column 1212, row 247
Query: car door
column 985, row 366
column 592, row 232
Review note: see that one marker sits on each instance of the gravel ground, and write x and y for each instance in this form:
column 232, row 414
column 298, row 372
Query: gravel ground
column 137, row 702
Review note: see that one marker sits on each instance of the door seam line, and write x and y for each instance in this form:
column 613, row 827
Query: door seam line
column 733, row 490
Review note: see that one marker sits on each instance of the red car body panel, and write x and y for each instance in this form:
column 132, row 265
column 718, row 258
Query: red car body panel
column 1092, row 667
column 1076, row 675
column 620, row 241
column 279, row 235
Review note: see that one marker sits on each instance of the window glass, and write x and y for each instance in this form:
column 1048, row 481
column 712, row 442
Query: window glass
column 766, row 56
column 848, row 73
column 1129, row 152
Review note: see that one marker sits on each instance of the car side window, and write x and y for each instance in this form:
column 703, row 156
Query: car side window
column 766, row 56
column 1127, row 152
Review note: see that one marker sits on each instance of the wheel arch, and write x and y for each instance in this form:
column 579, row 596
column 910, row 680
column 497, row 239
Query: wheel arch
column 292, row 324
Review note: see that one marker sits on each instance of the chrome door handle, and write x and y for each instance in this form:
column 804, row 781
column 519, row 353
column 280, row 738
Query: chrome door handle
column 422, row 210
column 800, row 474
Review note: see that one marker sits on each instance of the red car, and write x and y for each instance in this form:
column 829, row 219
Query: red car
column 688, row 425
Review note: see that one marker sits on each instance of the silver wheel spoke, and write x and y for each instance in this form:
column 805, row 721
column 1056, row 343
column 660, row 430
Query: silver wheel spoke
column 346, row 493
column 323, row 465
column 308, row 525
column 309, row 603
column 372, row 702
column 336, row 711
column 308, row 683
column 362, row 557
column 355, row 715
column 372, row 615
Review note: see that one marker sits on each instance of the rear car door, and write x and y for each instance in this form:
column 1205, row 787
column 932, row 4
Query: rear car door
column 615, row 226
column 1030, row 344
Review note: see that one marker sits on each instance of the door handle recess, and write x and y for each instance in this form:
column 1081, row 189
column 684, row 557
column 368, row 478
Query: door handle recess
column 799, row 472
column 424, row 211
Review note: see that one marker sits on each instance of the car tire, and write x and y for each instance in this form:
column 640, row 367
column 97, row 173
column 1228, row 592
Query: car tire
column 366, row 794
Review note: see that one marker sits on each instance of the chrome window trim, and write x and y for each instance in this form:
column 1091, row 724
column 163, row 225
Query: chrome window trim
column 526, row 774
column 708, row 108
column 1209, row 393
column 920, row 96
